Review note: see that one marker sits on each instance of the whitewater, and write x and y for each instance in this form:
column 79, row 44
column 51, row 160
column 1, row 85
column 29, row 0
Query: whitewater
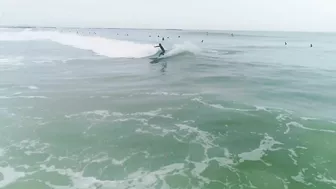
column 108, row 47
column 90, row 109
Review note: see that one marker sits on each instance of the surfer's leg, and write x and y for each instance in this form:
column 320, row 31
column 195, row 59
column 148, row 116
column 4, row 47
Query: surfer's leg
column 163, row 52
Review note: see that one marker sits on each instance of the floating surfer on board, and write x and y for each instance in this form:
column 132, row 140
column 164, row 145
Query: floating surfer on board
column 162, row 49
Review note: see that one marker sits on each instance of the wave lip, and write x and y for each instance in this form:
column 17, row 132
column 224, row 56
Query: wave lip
column 181, row 49
column 9, row 176
column 102, row 46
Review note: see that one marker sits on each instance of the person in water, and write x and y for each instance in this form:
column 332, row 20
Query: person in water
column 162, row 49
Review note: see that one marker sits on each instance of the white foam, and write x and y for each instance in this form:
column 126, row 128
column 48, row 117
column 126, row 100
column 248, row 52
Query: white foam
column 2, row 152
column 30, row 97
column 105, row 113
column 223, row 161
column 31, row 146
column 300, row 178
column 119, row 162
column 322, row 178
column 99, row 45
column 27, row 97
column 137, row 179
column 143, row 179
column 156, row 130
column 144, row 121
column 149, row 113
column 199, row 168
column 99, row 158
column 293, row 155
column 202, row 137
column 78, row 181
column 266, row 144
column 285, row 182
column 102, row 114
column 162, row 93
column 292, row 151
column 282, row 117
column 212, row 51
column 261, row 108
column 196, row 172
column 186, row 47
column 169, row 116
column 301, row 147
column 11, row 61
column 139, row 130
column 298, row 125
column 9, row 176
column 218, row 106
column 308, row 118
column 33, row 87
column 168, row 94
column 25, row 166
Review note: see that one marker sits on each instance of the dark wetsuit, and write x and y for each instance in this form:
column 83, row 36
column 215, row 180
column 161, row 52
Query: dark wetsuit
column 162, row 49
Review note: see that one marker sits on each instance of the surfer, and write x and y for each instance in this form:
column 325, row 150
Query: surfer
column 162, row 49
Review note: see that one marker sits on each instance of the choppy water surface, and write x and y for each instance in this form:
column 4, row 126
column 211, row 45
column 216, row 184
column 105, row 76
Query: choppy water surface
column 89, row 110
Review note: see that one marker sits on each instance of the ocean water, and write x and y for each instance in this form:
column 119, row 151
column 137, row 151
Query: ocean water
column 92, row 110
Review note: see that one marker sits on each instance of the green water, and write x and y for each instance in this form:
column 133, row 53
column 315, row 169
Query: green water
column 233, row 112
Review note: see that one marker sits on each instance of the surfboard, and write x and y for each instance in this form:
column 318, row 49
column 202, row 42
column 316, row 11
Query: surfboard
column 155, row 60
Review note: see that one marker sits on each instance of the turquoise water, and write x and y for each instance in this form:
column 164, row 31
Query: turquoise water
column 89, row 110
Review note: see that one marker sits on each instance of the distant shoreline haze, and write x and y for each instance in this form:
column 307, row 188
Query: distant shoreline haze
column 171, row 29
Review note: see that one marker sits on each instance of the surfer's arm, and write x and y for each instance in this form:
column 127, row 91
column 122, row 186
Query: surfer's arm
column 156, row 46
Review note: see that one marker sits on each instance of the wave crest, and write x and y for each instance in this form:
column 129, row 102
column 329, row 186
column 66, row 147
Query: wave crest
column 102, row 46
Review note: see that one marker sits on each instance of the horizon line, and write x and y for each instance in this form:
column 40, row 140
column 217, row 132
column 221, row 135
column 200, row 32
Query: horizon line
column 175, row 29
